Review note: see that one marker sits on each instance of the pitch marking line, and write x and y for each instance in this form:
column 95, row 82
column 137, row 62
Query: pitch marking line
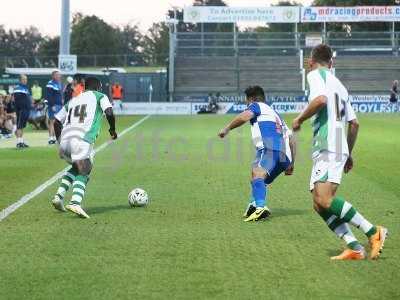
column 25, row 199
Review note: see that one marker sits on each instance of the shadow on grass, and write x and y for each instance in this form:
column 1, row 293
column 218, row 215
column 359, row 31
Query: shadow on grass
column 106, row 209
column 334, row 252
column 286, row 212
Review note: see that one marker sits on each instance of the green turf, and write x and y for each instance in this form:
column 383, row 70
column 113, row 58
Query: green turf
column 191, row 242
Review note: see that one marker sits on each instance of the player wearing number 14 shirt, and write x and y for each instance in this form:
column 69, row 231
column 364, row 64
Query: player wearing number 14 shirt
column 77, row 127
column 332, row 155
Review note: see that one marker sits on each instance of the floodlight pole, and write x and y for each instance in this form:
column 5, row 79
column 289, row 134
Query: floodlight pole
column 65, row 28
column 173, row 29
column 395, row 49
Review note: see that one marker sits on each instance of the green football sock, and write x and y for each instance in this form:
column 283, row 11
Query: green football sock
column 79, row 188
column 346, row 212
column 341, row 229
column 66, row 182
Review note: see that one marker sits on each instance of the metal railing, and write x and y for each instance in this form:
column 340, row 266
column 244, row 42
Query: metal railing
column 265, row 43
column 97, row 61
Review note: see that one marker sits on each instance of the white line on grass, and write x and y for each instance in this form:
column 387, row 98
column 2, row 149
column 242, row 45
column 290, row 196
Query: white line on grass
column 25, row 199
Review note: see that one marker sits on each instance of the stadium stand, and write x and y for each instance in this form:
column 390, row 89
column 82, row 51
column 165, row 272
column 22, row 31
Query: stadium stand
column 227, row 74
column 205, row 74
column 367, row 74
column 217, row 62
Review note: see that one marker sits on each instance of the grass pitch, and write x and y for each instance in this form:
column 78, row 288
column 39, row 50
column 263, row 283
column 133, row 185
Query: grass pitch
column 191, row 242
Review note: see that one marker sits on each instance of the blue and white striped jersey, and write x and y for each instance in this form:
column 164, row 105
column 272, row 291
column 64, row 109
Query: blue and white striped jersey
column 268, row 129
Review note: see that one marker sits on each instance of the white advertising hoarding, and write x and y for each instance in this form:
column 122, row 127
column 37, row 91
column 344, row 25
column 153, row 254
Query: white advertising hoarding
column 154, row 108
column 321, row 14
column 361, row 103
column 313, row 40
column 68, row 64
column 225, row 14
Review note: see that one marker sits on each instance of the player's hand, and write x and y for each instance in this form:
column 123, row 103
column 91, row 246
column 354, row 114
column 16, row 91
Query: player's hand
column 296, row 124
column 60, row 153
column 223, row 133
column 113, row 134
column 289, row 171
column 349, row 165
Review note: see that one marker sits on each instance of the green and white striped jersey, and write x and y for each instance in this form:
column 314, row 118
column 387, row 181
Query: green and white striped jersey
column 82, row 116
column 329, row 124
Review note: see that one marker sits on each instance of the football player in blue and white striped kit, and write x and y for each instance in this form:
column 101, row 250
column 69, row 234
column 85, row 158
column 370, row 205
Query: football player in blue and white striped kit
column 275, row 149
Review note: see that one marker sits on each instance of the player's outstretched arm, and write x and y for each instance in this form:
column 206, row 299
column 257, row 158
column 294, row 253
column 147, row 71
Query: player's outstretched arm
column 236, row 122
column 312, row 108
column 111, row 121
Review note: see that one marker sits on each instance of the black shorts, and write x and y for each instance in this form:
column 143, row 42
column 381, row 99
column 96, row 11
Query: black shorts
column 22, row 117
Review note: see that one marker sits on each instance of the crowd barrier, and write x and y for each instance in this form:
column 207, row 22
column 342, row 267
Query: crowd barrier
column 360, row 103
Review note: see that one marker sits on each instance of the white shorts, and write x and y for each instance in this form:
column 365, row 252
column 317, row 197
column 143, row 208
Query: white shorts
column 75, row 149
column 327, row 167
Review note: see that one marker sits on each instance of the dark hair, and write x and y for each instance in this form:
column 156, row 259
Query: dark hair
column 322, row 54
column 78, row 77
column 255, row 91
column 92, row 84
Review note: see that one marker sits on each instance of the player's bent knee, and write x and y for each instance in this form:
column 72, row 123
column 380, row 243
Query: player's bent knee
column 259, row 173
column 316, row 207
column 322, row 202
column 84, row 167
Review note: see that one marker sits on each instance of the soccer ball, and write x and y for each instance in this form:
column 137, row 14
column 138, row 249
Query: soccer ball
column 138, row 198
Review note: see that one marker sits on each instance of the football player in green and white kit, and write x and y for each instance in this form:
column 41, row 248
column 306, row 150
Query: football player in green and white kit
column 76, row 127
column 332, row 154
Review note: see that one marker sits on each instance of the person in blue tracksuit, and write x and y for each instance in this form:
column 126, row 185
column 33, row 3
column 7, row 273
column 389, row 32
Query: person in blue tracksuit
column 23, row 106
column 54, row 100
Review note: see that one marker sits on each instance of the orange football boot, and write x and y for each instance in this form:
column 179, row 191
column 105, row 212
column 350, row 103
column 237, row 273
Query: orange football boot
column 377, row 242
column 349, row 254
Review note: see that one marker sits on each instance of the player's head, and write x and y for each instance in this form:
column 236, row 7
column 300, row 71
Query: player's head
column 92, row 84
column 78, row 78
column 255, row 94
column 321, row 55
column 23, row 79
column 56, row 75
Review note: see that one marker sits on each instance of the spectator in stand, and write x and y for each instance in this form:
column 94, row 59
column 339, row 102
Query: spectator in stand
column 117, row 94
column 394, row 95
column 69, row 90
column 23, row 105
column 3, row 130
column 37, row 97
column 10, row 89
column 10, row 114
column 213, row 104
column 54, row 100
column 79, row 85
column 3, row 92
column 37, row 94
